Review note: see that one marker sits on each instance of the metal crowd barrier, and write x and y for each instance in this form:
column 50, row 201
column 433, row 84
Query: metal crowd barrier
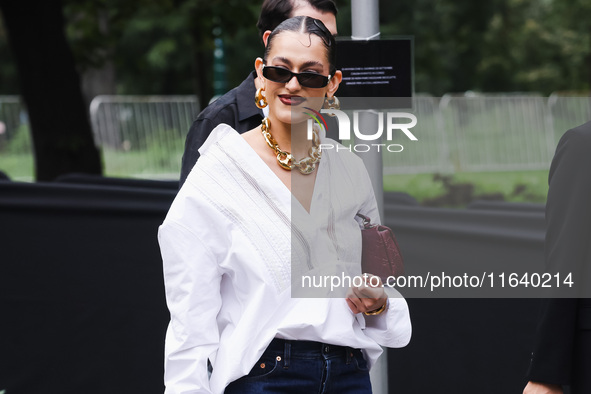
column 143, row 136
column 13, row 121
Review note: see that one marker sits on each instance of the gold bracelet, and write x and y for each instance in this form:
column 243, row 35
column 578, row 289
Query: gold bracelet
column 377, row 311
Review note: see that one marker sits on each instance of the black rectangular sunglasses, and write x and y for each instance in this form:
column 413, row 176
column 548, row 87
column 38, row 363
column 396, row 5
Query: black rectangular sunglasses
column 306, row 79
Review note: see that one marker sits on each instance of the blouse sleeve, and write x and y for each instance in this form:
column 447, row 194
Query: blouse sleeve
column 192, row 283
column 393, row 328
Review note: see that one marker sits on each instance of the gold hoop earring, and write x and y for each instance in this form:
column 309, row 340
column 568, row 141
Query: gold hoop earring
column 332, row 103
column 259, row 99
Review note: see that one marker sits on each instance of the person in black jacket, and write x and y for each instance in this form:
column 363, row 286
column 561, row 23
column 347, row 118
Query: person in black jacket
column 562, row 348
column 237, row 108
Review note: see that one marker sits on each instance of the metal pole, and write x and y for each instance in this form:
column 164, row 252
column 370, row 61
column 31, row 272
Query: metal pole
column 365, row 18
column 365, row 25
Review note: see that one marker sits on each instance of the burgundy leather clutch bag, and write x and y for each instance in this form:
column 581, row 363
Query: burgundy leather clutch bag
column 380, row 254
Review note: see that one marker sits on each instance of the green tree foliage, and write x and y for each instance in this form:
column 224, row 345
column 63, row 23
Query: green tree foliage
column 166, row 46
column 8, row 72
column 536, row 45
column 158, row 46
column 495, row 46
column 50, row 88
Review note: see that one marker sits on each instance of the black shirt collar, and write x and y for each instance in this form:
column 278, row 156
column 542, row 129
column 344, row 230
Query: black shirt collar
column 245, row 98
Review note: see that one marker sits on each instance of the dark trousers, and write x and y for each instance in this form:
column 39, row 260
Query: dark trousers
column 306, row 367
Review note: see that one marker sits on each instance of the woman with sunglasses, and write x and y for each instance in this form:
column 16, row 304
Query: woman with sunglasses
column 258, row 211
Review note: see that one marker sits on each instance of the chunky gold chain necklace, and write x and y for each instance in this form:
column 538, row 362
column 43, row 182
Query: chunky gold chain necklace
column 285, row 159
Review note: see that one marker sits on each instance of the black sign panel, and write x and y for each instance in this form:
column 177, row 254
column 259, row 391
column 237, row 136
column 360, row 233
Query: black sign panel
column 376, row 69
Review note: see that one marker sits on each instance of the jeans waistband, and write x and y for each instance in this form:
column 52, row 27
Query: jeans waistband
column 307, row 349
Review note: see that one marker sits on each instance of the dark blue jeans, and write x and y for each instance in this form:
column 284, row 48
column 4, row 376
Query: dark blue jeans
column 305, row 367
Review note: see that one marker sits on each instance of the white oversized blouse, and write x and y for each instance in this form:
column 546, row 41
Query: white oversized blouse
column 229, row 246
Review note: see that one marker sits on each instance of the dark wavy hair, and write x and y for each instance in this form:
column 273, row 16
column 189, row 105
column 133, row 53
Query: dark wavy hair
column 306, row 24
column 273, row 12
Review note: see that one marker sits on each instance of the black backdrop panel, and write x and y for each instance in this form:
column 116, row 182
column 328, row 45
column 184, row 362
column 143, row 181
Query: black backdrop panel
column 467, row 345
column 83, row 310
column 81, row 289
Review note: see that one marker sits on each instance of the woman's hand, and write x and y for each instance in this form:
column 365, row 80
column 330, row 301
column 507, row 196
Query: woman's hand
column 541, row 388
column 368, row 297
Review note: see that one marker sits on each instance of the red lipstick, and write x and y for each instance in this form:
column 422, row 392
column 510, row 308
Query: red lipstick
column 289, row 99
